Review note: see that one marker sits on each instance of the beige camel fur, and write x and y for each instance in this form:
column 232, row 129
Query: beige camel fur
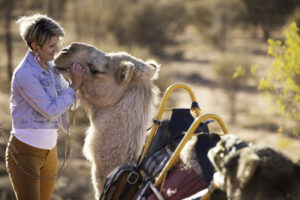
column 254, row 173
column 119, row 96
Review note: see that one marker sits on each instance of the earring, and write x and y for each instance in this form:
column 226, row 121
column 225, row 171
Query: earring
column 36, row 57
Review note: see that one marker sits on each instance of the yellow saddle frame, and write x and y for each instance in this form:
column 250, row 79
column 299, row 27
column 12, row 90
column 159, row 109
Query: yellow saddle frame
column 199, row 118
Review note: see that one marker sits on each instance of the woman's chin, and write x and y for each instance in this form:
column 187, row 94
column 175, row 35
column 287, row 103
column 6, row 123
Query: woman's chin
column 50, row 58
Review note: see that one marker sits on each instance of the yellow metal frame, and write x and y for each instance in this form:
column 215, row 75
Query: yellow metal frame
column 183, row 142
column 211, row 188
column 187, row 136
column 162, row 109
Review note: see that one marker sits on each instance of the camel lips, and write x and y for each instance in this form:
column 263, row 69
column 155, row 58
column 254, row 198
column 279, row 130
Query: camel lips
column 61, row 68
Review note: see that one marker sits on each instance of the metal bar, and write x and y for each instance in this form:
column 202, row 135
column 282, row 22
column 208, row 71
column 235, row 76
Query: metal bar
column 212, row 188
column 162, row 106
column 185, row 139
column 143, row 190
column 156, row 192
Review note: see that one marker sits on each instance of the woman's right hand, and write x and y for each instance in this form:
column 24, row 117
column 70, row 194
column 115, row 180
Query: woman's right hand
column 77, row 72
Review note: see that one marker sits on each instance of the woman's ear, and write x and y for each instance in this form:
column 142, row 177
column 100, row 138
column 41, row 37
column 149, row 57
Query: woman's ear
column 35, row 46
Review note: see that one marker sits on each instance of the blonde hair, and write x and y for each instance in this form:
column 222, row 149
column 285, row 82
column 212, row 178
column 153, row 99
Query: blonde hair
column 39, row 29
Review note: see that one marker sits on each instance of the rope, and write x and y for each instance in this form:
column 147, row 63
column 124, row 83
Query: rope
column 30, row 171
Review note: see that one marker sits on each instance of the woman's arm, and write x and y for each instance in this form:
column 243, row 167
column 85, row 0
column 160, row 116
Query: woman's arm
column 30, row 88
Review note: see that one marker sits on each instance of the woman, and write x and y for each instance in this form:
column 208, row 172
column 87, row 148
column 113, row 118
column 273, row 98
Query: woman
column 39, row 100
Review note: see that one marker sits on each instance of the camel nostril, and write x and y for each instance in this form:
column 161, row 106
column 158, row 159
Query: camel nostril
column 64, row 51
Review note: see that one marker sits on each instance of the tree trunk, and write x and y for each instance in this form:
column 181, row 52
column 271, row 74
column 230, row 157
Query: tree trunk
column 232, row 96
column 220, row 24
column 266, row 33
column 8, row 36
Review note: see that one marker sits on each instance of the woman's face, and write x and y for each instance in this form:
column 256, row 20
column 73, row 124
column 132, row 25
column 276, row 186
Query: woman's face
column 49, row 49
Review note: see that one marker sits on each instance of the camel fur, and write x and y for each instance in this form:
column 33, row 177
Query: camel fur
column 119, row 96
column 254, row 172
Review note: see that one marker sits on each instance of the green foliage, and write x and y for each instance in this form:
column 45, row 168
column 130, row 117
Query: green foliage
column 296, row 16
column 239, row 72
column 282, row 84
column 232, row 72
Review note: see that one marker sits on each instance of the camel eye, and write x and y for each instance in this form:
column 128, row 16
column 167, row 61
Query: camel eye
column 94, row 70
column 221, row 152
column 90, row 65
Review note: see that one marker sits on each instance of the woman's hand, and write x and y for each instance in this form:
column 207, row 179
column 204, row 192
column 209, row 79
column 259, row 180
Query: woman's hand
column 77, row 72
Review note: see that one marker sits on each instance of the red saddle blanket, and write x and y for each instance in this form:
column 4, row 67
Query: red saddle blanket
column 180, row 183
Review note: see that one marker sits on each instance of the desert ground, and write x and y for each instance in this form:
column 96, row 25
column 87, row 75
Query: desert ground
column 256, row 121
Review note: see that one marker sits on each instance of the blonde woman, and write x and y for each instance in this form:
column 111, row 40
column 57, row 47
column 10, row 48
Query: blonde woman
column 39, row 100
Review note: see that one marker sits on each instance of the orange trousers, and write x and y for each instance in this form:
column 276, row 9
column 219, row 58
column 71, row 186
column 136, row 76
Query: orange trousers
column 29, row 174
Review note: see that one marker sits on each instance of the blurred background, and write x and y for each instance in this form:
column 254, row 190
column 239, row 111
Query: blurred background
column 240, row 57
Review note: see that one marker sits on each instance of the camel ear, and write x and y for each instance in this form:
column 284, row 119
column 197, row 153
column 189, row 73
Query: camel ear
column 248, row 163
column 125, row 72
column 154, row 68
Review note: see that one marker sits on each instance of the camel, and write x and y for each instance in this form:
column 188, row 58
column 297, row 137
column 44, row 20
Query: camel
column 248, row 172
column 119, row 96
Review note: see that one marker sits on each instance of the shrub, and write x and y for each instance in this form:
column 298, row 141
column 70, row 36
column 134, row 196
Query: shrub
column 146, row 23
column 232, row 73
column 268, row 14
column 214, row 19
column 282, row 84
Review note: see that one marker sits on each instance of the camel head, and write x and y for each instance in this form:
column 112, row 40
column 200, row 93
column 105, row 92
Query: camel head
column 108, row 75
column 248, row 172
column 228, row 145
